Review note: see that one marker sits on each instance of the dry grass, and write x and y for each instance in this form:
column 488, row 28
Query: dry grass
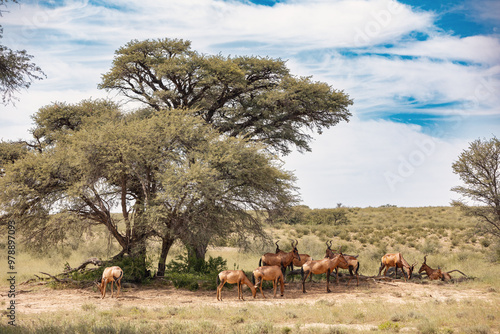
column 441, row 233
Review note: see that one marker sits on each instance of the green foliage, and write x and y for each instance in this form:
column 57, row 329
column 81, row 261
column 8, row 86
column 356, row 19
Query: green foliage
column 389, row 326
column 134, row 270
column 17, row 72
column 184, row 275
column 305, row 216
column 182, row 264
column 479, row 169
column 255, row 97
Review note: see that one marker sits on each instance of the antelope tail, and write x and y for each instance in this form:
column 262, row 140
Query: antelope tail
column 260, row 262
column 217, row 280
column 357, row 268
column 120, row 277
column 253, row 279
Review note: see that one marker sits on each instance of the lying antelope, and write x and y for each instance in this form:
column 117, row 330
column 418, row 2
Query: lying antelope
column 435, row 274
column 317, row 267
column 352, row 263
column 110, row 275
column 269, row 273
column 281, row 259
column 396, row 260
column 232, row 277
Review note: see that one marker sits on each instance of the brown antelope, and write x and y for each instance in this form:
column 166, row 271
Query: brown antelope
column 281, row 259
column 110, row 275
column 435, row 274
column 232, row 277
column 352, row 263
column 296, row 262
column 396, row 260
column 317, row 267
column 269, row 273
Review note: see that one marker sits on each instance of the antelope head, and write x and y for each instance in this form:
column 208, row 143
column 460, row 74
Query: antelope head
column 410, row 270
column 422, row 267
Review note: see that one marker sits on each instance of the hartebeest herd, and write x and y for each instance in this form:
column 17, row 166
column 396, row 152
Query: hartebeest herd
column 272, row 267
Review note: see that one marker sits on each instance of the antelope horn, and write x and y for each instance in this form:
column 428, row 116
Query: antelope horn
column 425, row 259
column 296, row 243
column 276, row 243
column 340, row 250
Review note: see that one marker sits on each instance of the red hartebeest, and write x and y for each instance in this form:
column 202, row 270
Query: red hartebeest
column 282, row 260
column 296, row 262
column 352, row 263
column 435, row 274
column 232, row 277
column 269, row 273
column 317, row 267
column 396, row 260
column 110, row 275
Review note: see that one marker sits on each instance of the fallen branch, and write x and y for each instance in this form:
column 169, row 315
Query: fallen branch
column 53, row 277
column 93, row 260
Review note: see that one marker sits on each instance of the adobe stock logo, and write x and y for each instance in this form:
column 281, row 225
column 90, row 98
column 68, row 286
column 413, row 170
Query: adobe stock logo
column 32, row 21
column 380, row 19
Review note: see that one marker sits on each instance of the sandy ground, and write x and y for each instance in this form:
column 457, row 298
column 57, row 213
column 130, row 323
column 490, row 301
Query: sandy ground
column 36, row 299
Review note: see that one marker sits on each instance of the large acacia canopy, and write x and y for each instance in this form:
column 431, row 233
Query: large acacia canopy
column 255, row 97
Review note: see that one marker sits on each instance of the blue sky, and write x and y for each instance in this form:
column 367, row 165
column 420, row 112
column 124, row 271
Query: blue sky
column 424, row 76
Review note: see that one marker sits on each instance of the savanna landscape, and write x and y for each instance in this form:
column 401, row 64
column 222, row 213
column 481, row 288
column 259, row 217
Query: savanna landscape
column 163, row 305
column 177, row 175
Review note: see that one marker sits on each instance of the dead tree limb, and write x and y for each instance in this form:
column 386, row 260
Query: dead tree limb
column 93, row 260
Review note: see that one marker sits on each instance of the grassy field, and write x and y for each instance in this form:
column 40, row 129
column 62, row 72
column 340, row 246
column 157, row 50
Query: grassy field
column 442, row 233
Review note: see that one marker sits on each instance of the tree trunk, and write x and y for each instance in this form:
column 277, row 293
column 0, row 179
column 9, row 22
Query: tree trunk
column 165, row 247
column 196, row 253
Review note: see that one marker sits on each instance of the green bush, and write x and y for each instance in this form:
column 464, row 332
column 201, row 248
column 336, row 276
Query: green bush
column 389, row 326
column 184, row 275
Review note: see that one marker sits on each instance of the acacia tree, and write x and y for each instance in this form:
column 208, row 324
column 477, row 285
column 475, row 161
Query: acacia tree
column 163, row 170
column 479, row 170
column 251, row 97
column 219, row 188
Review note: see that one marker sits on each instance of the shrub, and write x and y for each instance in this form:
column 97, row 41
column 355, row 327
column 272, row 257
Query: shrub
column 389, row 326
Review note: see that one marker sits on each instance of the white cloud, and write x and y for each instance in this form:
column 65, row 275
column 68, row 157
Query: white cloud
column 476, row 49
column 372, row 163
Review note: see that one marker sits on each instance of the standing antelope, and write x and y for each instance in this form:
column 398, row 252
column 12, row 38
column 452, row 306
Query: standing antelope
column 317, row 267
column 269, row 273
column 435, row 274
column 396, row 260
column 352, row 263
column 281, row 259
column 110, row 275
column 296, row 262
column 232, row 277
